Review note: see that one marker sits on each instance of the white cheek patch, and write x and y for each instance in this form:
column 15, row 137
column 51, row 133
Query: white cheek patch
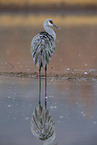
column 49, row 24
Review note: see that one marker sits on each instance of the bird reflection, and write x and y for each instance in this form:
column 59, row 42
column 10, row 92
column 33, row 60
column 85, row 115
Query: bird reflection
column 42, row 123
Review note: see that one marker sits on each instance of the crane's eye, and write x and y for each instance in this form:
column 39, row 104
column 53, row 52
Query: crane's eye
column 51, row 21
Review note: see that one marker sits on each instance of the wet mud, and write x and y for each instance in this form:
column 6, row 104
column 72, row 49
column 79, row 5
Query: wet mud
column 65, row 76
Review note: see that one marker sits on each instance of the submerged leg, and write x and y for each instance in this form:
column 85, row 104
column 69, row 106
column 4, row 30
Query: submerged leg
column 40, row 85
column 46, row 86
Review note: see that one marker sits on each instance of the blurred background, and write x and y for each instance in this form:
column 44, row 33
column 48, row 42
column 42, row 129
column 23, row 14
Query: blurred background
column 75, row 44
column 72, row 102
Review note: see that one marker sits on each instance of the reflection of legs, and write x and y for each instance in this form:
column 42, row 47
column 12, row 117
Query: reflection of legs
column 40, row 85
column 46, row 86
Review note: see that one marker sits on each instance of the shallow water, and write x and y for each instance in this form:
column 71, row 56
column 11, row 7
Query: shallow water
column 71, row 102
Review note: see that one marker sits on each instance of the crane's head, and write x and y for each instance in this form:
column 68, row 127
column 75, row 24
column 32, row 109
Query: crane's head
column 50, row 23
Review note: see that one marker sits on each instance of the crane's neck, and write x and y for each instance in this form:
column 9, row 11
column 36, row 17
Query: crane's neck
column 50, row 31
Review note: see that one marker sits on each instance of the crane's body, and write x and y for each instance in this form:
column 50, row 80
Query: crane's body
column 43, row 44
column 43, row 47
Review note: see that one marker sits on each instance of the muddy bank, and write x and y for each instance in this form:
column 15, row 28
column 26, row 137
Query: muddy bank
column 66, row 76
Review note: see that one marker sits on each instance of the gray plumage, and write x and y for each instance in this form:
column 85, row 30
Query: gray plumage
column 42, row 48
column 43, row 45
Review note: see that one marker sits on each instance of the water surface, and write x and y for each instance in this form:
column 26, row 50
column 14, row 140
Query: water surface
column 72, row 104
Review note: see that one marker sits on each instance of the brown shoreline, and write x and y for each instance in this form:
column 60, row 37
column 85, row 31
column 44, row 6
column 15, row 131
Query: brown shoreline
column 66, row 76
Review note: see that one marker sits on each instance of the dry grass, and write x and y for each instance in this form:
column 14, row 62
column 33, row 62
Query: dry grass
column 36, row 20
column 38, row 2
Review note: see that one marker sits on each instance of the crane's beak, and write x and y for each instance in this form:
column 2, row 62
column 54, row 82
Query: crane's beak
column 56, row 26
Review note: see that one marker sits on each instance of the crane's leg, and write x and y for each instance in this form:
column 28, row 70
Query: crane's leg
column 46, row 86
column 40, row 85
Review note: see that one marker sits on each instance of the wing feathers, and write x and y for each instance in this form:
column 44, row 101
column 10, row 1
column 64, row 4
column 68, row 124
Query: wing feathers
column 42, row 48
